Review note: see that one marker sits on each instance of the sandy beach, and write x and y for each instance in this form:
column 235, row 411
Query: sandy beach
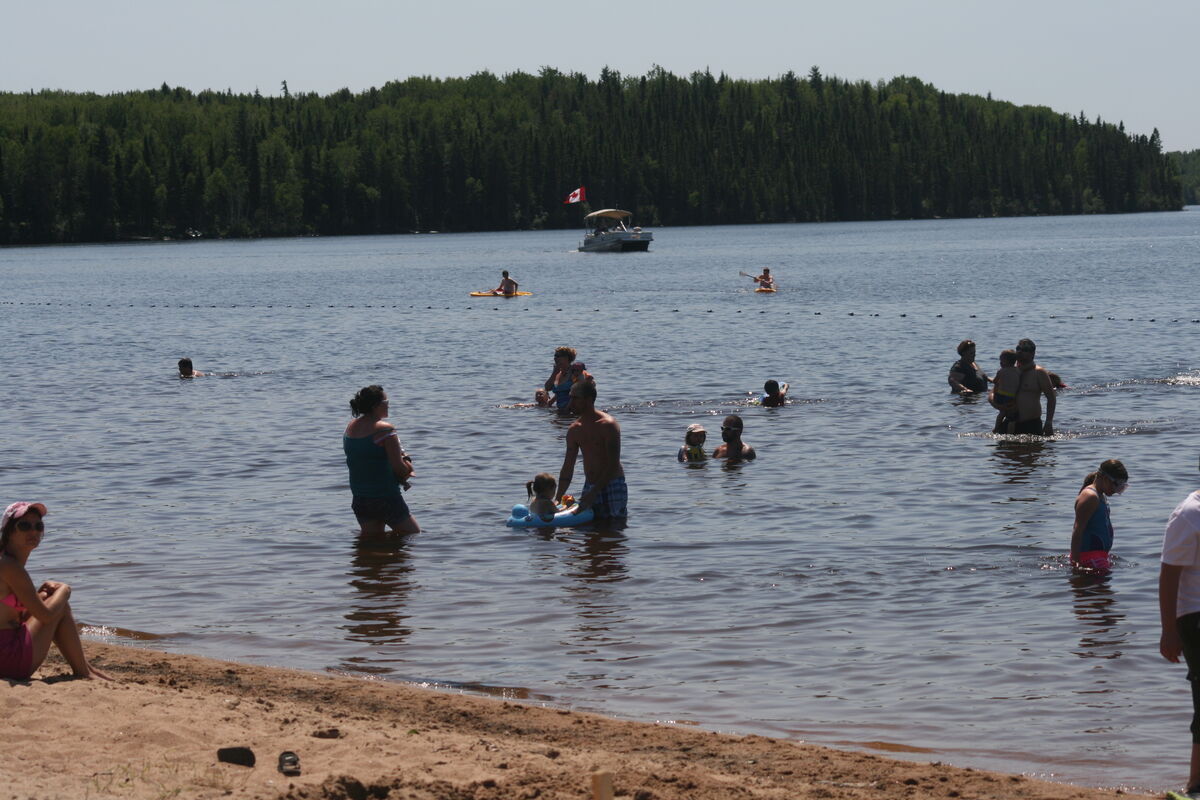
column 155, row 734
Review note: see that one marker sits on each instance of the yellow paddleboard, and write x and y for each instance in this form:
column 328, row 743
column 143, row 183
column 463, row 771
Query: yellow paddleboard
column 493, row 294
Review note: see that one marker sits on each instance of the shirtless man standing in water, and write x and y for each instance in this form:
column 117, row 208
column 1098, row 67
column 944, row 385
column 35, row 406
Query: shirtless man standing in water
column 1034, row 382
column 598, row 436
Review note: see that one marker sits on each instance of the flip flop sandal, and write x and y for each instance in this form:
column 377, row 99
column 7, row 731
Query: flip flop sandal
column 289, row 763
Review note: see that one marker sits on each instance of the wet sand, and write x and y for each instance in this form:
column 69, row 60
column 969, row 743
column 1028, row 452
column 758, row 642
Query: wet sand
column 156, row 733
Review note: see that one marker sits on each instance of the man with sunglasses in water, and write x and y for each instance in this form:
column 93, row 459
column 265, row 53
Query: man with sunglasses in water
column 732, row 447
column 1034, row 382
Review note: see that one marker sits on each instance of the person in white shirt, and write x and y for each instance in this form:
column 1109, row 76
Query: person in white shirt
column 1179, row 606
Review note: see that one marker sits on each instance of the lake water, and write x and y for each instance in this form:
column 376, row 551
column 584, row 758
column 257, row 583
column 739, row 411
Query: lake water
column 886, row 575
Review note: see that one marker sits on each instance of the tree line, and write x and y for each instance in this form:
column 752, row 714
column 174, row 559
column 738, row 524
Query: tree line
column 499, row 153
column 1188, row 164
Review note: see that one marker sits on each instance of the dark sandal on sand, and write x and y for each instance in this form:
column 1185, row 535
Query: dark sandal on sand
column 289, row 763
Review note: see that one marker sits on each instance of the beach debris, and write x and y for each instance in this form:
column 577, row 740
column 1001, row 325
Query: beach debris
column 602, row 786
column 242, row 756
column 327, row 733
column 289, row 763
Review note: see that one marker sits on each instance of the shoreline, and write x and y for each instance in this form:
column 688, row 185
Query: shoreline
column 155, row 733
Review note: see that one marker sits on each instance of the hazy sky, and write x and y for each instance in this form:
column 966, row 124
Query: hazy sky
column 1122, row 61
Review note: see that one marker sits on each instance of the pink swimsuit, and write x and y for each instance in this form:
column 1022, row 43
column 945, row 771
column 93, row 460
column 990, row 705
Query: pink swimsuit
column 16, row 646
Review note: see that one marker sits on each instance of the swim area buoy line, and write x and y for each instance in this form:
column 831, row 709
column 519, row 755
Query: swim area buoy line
column 521, row 518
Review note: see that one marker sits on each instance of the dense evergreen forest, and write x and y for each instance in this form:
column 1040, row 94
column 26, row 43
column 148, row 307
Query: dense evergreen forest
column 491, row 153
column 1189, row 175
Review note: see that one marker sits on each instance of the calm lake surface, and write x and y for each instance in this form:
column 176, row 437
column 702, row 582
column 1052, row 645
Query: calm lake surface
column 886, row 575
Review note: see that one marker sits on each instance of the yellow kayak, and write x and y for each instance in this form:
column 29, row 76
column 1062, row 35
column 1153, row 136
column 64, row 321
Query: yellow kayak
column 765, row 290
column 495, row 294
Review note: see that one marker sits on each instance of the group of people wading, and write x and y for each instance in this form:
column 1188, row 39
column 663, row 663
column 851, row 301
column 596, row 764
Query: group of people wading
column 1017, row 388
column 1016, row 392
column 380, row 468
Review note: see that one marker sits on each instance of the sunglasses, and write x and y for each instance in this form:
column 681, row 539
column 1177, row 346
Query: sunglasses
column 38, row 526
column 730, row 428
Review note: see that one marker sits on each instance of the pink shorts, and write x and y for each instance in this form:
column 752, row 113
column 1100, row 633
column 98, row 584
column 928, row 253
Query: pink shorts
column 16, row 653
column 1096, row 560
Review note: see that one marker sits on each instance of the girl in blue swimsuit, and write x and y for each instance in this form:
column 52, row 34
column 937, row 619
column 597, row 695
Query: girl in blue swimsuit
column 1092, row 534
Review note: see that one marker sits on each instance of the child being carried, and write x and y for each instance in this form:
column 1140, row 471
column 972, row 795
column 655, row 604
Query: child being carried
column 1003, row 396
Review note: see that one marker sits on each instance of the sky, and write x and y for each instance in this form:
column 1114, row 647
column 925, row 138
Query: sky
column 1121, row 61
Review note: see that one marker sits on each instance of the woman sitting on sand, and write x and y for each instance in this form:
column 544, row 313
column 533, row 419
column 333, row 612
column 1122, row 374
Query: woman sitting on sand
column 31, row 619
column 378, row 466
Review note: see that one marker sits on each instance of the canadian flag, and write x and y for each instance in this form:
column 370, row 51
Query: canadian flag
column 576, row 196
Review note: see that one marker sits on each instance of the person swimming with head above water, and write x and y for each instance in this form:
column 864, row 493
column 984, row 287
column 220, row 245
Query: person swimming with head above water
column 186, row 370
column 774, row 394
column 965, row 376
column 693, row 443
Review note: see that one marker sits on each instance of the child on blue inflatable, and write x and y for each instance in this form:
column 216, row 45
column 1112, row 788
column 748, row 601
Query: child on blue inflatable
column 541, row 495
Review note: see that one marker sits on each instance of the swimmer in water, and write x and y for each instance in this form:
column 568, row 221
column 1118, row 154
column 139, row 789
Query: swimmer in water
column 1003, row 396
column 557, row 389
column 965, row 376
column 187, row 371
column 541, row 495
column 776, row 395
column 732, row 447
column 1092, row 534
column 579, row 373
column 693, row 443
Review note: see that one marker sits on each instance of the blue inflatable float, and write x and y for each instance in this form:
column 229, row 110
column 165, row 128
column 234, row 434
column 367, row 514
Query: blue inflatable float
column 521, row 518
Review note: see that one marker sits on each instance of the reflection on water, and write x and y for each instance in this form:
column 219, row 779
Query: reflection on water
column 1017, row 458
column 594, row 567
column 1095, row 605
column 381, row 574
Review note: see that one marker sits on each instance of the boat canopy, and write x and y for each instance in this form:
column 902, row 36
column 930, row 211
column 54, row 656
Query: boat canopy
column 609, row 213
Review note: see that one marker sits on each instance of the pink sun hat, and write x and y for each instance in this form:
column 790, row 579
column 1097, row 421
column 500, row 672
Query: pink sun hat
column 19, row 509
